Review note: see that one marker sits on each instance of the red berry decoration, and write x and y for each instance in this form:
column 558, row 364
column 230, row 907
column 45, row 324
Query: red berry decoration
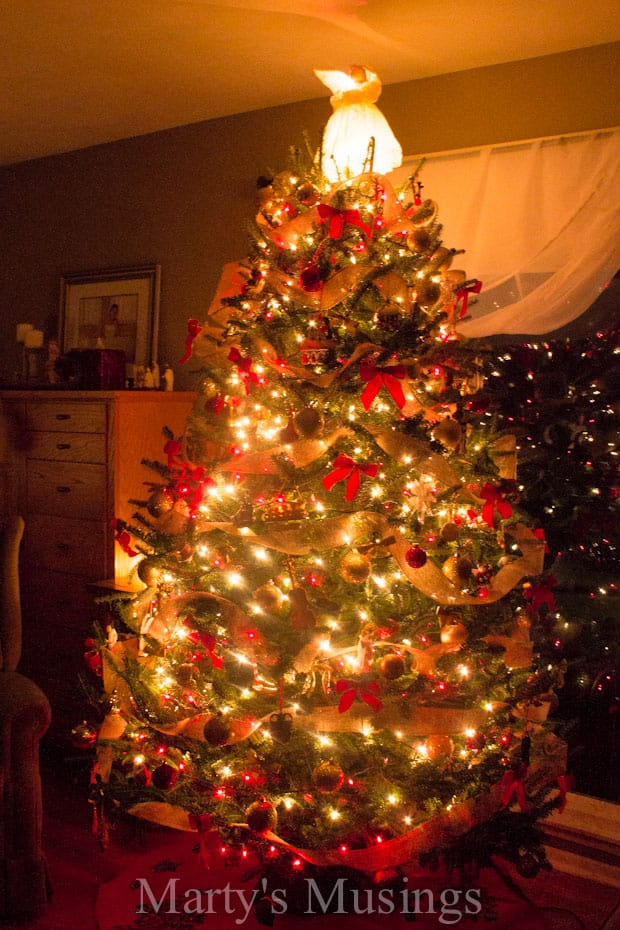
column 416, row 557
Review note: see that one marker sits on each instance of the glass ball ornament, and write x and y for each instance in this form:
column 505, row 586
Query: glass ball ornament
column 160, row 502
column 453, row 633
column 392, row 666
column 439, row 746
column 84, row 735
column 416, row 557
column 217, row 731
column 261, row 816
column 149, row 573
column 355, row 567
column 164, row 776
column 457, row 569
column 327, row 777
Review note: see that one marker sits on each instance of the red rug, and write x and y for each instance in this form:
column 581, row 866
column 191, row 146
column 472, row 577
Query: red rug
column 176, row 892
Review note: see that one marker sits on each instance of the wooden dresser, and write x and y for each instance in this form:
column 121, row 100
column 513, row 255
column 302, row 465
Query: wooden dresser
column 71, row 462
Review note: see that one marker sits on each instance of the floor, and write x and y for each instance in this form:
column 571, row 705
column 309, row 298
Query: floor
column 78, row 868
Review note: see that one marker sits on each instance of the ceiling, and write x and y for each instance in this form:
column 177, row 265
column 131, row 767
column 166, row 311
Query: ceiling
column 82, row 72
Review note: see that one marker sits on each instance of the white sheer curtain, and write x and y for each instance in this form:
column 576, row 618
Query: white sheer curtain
column 539, row 221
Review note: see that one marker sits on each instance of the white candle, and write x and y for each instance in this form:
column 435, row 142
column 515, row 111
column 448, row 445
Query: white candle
column 33, row 338
column 21, row 330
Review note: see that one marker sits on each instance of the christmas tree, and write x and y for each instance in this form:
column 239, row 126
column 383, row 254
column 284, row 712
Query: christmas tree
column 338, row 659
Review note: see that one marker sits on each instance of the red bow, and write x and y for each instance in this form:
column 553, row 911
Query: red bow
column 463, row 295
column 541, row 593
column 208, row 641
column 494, row 498
column 196, row 479
column 244, row 367
column 193, row 328
column 345, row 469
column 389, row 378
column 123, row 538
column 339, row 218
column 350, row 690
column 172, row 448
column 513, row 786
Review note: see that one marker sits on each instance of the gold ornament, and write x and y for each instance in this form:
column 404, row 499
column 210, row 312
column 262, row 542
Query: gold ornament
column 268, row 597
column 160, row 502
column 392, row 666
column 449, row 433
column 454, row 633
column 149, row 573
column 355, row 567
column 307, row 194
column 427, row 293
column 439, row 747
column 309, row 422
column 457, row 569
column 261, row 816
column 442, row 258
column 327, row 777
column 449, row 532
column 217, row 731
column 419, row 240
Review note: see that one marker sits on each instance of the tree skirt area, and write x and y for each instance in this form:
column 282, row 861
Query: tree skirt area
column 178, row 893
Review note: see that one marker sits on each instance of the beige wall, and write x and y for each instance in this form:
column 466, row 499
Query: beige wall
column 183, row 197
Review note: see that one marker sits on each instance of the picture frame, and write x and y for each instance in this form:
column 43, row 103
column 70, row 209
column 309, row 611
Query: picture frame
column 117, row 308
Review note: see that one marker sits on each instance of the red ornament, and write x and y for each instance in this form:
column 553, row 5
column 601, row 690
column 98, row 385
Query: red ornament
column 311, row 280
column 416, row 557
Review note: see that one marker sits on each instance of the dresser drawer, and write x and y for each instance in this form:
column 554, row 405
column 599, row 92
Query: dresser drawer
column 62, row 544
column 66, row 489
column 69, row 417
column 68, row 447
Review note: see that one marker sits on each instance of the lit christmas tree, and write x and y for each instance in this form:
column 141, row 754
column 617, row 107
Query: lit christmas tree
column 337, row 659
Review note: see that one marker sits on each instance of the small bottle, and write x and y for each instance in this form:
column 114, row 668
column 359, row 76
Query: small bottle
column 168, row 378
column 156, row 376
column 148, row 379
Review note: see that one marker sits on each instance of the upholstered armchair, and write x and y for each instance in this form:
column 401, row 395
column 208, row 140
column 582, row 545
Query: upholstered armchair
column 24, row 718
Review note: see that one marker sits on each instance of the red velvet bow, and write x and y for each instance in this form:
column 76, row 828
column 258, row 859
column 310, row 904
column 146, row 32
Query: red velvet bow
column 541, row 593
column 350, row 690
column 513, row 786
column 196, row 480
column 494, row 498
column 193, row 328
column 172, row 448
column 339, row 218
column 540, row 534
column 462, row 295
column 244, row 367
column 389, row 378
column 208, row 641
column 345, row 469
column 123, row 538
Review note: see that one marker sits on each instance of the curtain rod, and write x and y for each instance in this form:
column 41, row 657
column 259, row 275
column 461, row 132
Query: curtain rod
column 515, row 144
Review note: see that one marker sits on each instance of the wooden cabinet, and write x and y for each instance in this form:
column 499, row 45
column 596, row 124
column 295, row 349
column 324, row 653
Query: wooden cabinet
column 71, row 463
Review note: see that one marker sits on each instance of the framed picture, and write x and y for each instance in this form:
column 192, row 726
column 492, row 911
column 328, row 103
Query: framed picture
column 113, row 309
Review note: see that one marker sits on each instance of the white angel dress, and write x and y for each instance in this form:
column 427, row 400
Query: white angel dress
column 357, row 136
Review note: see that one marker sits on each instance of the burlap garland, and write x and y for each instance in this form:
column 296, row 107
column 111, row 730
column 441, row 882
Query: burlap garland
column 548, row 754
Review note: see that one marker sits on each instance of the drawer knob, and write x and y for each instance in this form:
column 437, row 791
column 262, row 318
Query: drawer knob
column 63, row 489
column 63, row 416
column 63, row 445
column 63, row 547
